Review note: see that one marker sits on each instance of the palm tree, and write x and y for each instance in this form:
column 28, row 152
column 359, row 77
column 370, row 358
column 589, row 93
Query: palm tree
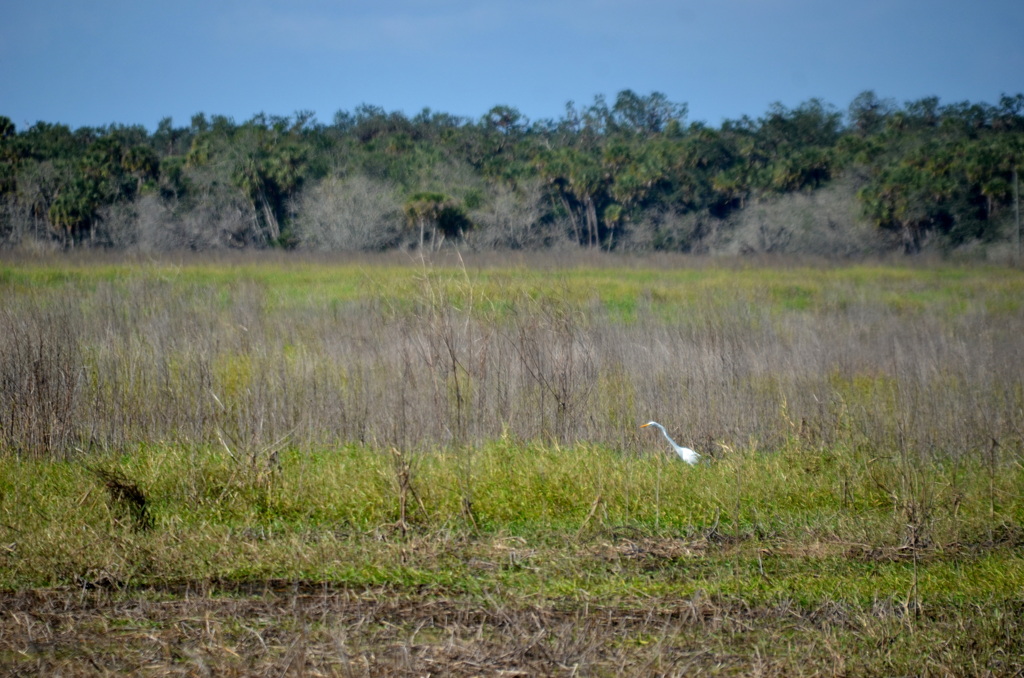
column 142, row 163
column 426, row 207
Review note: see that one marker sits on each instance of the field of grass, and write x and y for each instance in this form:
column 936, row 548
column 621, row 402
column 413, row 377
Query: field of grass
column 288, row 466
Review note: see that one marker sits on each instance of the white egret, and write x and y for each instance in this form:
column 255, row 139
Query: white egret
column 685, row 453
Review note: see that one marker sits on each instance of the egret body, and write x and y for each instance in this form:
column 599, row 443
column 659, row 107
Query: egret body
column 685, row 453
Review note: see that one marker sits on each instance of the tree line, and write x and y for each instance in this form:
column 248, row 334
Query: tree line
column 374, row 180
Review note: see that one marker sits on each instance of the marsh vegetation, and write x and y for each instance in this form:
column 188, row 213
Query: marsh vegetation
column 384, row 466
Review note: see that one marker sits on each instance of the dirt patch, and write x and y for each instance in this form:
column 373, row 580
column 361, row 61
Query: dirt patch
column 286, row 628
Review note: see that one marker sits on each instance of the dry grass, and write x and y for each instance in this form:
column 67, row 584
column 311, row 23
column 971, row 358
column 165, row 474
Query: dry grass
column 928, row 363
column 297, row 628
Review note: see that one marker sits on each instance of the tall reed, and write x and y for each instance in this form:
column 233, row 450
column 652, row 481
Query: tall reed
column 454, row 362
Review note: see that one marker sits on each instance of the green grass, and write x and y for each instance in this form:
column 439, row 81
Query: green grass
column 217, row 519
column 787, row 551
column 799, row 288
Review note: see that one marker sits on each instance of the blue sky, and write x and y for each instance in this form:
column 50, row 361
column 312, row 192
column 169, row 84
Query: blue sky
column 98, row 62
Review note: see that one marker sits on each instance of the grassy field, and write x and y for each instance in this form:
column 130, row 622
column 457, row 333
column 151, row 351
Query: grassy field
column 286, row 466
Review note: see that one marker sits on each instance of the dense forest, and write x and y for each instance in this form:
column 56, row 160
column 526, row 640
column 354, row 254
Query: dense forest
column 626, row 175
